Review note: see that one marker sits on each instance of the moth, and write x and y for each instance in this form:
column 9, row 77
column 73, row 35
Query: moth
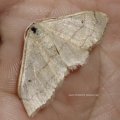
column 52, row 48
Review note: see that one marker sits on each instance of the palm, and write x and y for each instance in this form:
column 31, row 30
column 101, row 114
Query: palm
column 100, row 76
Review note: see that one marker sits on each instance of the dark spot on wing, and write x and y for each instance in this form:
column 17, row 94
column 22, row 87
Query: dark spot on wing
column 34, row 29
column 82, row 21
column 29, row 80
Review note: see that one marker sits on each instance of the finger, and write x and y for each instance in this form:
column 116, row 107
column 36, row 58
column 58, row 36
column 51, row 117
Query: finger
column 11, row 107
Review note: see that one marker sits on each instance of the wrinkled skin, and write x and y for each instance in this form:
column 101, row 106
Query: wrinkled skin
column 99, row 77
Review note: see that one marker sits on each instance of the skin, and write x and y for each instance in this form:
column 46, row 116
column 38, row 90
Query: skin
column 99, row 77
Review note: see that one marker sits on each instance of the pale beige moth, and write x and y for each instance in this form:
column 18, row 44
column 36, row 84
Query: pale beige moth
column 52, row 48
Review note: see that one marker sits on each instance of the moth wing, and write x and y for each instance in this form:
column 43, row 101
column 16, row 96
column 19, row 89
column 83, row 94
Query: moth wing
column 41, row 71
column 83, row 29
column 74, row 35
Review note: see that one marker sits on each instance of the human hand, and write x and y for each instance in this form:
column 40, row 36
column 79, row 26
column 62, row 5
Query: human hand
column 98, row 78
